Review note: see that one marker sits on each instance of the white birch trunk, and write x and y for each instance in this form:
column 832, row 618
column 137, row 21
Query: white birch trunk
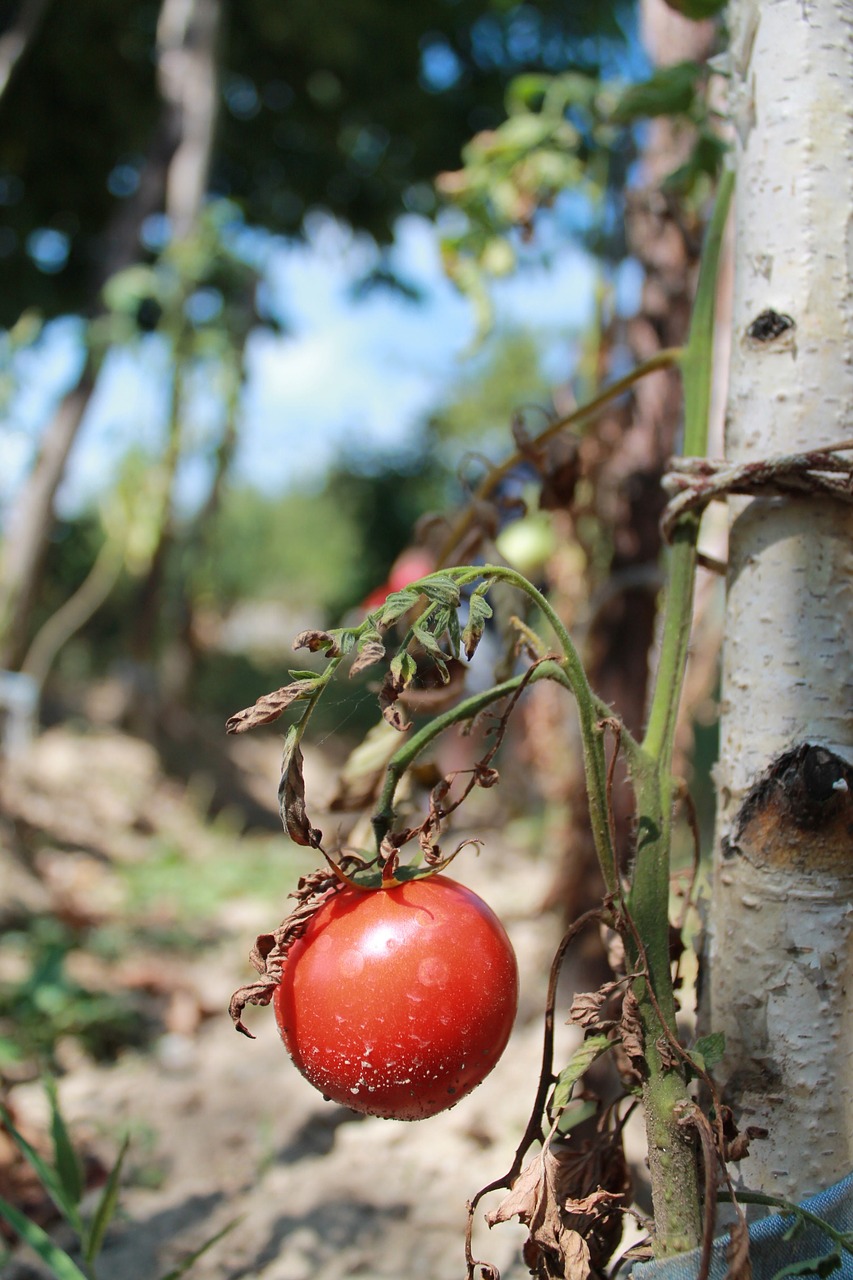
column 781, row 928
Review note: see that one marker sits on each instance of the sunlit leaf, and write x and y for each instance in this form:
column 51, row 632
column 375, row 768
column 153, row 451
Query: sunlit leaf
column 67, row 1162
column 192, row 1258
column 107, row 1206
column 580, row 1061
column 61, row 1265
column 47, row 1175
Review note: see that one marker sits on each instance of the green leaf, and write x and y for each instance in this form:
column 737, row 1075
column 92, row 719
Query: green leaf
column 67, row 1162
column 403, row 669
column 670, row 91
column 125, row 290
column 453, row 633
column 189, row 1261
column 397, row 604
column 427, row 640
column 580, row 1061
column 822, row 1266
column 526, row 92
column 710, row 1049
column 431, row 646
column 575, row 1115
column 479, row 611
column 47, row 1176
column 441, row 588
column 60, row 1264
column 107, row 1205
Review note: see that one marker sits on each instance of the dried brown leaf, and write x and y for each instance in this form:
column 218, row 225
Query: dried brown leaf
column 553, row 1249
column 388, row 702
column 291, row 796
column 317, row 641
column 631, row 1031
column 591, row 1205
column 586, row 1007
column 270, row 706
column 270, row 949
column 737, row 1252
column 371, row 653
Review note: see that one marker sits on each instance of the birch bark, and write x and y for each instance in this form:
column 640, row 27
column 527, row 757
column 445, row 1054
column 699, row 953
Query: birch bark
column 781, row 926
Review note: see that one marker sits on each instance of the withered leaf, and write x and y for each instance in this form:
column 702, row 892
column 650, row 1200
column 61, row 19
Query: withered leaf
column 737, row 1252
column 485, row 776
column 586, row 1007
column 370, row 652
column 336, row 643
column 271, row 705
column 479, row 612
column 291, row 795
column 591, row 1205
column 553, row 1248
column 631, row 1030
column 389, row 705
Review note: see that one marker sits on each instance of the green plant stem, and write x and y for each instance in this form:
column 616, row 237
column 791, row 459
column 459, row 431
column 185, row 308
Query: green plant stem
column 567, row 670
column 788, row 1209
column 591, row 711
column 672, row 1159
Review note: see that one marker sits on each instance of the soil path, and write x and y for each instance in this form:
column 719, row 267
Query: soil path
column 224, row 1128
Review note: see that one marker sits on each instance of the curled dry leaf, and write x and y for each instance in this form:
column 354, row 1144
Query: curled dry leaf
column 553, row 1249
column 317, row 641
column 586, row 1008
column 631, row 1031
column 270, row 949
column 737, row 1252
column 270, row 706
column 485, row 776
column 370, row 653
column 389, row 694
column 291, row 795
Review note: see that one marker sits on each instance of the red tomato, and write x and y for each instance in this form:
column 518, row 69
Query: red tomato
column 397, row 1002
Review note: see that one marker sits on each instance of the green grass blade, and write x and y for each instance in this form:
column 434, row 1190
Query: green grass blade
column 183, row 1267
column 60, row 1264
column 69, row 1170
column 103, row 1216
column 45, row 1173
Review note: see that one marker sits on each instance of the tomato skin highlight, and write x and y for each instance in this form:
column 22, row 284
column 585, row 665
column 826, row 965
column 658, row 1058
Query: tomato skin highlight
column 398, row 1002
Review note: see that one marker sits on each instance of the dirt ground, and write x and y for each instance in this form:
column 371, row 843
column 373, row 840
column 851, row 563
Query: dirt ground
column 225, row 1129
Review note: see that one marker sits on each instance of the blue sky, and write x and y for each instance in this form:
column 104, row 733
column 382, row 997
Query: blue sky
column 345, row 371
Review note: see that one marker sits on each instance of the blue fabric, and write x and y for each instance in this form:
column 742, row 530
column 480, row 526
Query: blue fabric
column 768, row 1251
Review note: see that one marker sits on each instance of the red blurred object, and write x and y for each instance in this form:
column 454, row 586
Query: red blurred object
column 411, row 564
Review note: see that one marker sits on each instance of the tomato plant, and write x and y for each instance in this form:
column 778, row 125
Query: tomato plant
column 399, row 1001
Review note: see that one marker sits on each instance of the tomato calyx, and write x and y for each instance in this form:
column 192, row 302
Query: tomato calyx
column 385, row 871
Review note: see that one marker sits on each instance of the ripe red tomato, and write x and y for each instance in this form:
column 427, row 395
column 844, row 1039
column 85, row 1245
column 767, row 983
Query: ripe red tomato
column 397, row 1002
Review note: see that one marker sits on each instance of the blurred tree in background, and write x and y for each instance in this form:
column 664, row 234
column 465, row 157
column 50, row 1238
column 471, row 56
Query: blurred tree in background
column 136, row 141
